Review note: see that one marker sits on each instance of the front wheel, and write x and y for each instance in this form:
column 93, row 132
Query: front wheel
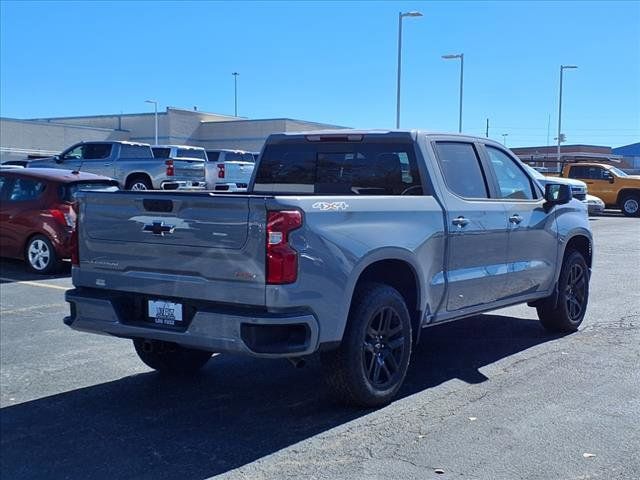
column 371, row 363
column 565, row 314
column 630, row 205
column 170, row 358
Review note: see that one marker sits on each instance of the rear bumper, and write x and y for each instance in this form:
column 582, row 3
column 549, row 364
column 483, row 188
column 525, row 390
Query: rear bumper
column 183, row 185
column 214, row 329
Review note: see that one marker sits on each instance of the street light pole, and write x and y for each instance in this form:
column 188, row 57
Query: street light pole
column 461, row 57
column 235, row 92
column 155, row 111
column 562, row 67
column 400, row 17
column 504, row 139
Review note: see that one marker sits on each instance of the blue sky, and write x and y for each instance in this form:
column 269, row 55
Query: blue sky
column 333, row 62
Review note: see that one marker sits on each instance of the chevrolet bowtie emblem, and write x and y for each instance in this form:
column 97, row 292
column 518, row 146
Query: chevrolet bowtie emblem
column 158, row 228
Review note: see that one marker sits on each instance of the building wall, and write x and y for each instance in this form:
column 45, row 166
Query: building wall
column 21, row 138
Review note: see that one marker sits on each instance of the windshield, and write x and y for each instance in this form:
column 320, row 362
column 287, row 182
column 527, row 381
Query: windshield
column 69, row 192
column 534, row 173
column 618, row 172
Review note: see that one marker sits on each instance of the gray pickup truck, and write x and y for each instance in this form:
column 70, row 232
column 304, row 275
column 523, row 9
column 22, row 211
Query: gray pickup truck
column 132, row 164
column 349, row 243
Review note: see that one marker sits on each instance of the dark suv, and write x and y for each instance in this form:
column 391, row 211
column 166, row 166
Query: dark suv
column 37, row 216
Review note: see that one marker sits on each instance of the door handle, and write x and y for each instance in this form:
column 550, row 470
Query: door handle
column 460, row 222
column 515, row 218
column 107, row 164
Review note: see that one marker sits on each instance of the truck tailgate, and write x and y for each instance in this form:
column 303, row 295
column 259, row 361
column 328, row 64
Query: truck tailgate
column 238, row 172
column 189, row 169
column 188, row 245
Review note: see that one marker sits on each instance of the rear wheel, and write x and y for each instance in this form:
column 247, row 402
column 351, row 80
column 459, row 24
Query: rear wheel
column 139, row 182
column 170, row 358
column 371, row 363
column 566, row 314
column 630, row 205
column 41, row 256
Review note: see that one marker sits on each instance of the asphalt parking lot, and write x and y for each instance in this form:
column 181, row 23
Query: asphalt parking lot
column 490, row 397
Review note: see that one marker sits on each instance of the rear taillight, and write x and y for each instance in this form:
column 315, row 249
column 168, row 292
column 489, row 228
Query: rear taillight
column 220, row 170
column 65, row 217
column 282, row 260
column 171, row 171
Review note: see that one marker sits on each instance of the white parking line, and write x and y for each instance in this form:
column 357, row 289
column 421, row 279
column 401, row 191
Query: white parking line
column 33, row 284
column 32, row 307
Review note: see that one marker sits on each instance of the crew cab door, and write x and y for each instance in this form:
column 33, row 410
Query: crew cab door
column 533, row 244
column 97, row 158
column 477, row 228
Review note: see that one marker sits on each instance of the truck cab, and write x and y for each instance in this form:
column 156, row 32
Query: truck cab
column 616, row 188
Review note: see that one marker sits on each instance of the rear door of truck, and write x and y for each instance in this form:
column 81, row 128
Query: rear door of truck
column 197, row 246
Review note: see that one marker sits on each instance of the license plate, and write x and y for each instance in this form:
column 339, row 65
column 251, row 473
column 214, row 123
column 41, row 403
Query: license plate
column 165, row 313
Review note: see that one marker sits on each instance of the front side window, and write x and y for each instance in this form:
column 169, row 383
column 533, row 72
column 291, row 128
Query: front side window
column 161, row 152
column 97, row 151
column 461, row 169
column 74, row 154
column 213, row 156
column 339, row 168
column 512, row 181
column 25, row 189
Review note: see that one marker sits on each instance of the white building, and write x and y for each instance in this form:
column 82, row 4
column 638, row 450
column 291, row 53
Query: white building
column 20, row 139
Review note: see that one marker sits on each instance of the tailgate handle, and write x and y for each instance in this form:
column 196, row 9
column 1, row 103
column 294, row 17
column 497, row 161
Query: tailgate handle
column 153, row 205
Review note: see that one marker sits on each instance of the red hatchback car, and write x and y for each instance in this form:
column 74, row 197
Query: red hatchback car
column 37, row 217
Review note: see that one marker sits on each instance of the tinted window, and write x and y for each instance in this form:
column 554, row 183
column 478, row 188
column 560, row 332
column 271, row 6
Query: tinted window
column 327, row 168
column 95, row 151
column 238, row 157
column 25, row 189
column 461, row 169
column 159, row 152
column 135, row 151
column 190, row 153
column 68, row 192
column 213, row 156
column 512, row 181
column 579, row 172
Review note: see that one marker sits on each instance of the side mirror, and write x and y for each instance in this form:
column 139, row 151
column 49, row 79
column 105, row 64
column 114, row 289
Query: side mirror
column 610, row 177
column 57, row 159
column 557, row 193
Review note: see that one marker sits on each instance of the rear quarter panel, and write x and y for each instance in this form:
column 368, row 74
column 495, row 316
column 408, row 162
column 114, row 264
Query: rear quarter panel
column 342, row 236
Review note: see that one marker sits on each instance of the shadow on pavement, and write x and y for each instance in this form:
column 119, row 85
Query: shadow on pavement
column 16, row 270
column 236, row 411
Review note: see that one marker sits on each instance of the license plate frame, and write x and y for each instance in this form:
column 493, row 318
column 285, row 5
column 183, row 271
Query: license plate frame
column 165, row 312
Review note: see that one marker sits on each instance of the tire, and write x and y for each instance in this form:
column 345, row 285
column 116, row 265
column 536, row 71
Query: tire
column 630, row 205
column 139, row 182
column 566, row 314
column 170, row 358
column 369, row 366
column 40, row 255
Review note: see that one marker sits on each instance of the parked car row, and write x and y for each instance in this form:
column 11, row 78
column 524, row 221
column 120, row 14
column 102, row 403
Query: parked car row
column 139, row 166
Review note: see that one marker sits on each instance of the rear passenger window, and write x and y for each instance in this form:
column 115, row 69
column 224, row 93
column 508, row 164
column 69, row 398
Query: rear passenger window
column 512, row 181
column 461, row 169
column 333, row 168
column 24, row 189
column 135, row 151
column 97, row 151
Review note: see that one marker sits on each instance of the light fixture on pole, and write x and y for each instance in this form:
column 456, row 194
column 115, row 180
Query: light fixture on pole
column 560, row 136
column 235, row 92
column 401, row 15
column 155, row 111
column 461, row 57
column 504, row 139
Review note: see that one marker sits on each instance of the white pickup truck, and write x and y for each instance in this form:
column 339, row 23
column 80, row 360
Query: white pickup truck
column 229, row 170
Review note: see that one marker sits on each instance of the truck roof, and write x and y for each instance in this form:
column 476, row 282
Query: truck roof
column 55, row 174
column 413, row 133
column 190, row 147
